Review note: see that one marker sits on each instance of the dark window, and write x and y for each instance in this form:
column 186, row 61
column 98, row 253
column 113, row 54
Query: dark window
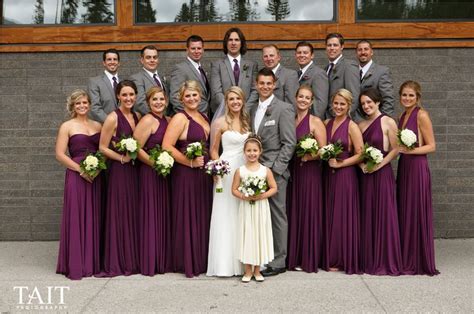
column 166, row 11
column 21, row 12
column 415, row 10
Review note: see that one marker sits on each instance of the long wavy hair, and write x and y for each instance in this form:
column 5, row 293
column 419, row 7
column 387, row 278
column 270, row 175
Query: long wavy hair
column 243, row 116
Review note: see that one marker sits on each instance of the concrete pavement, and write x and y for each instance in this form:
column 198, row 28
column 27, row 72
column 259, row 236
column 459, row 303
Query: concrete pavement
column 29, row 268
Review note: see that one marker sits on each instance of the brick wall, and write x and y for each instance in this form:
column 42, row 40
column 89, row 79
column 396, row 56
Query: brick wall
column 34, row 86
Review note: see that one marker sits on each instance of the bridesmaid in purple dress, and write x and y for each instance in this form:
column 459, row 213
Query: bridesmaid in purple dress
column 121, row 235
column 415, row 209
column 79, row 254
column 191, row 195
column 154, row 207
column 342, row 189
column 380, row 239
column 305, row 192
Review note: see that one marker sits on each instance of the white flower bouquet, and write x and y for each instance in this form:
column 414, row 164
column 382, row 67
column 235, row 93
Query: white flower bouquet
column 162, row 160
column 194, row 150
column 218, row 168
column 371, row 156
column 332, row 150
column 128, row 145
column 253, row 185
column 93, row 164
column 307, row 145
column 407, row 137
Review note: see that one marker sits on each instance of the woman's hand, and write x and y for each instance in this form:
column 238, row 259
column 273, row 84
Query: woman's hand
column 334, row 163
column 86, row 177
column 197, row 162
column 125, row 159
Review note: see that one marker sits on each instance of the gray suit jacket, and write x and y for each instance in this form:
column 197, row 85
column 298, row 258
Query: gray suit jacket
column 318, row 80
column 182, row 72
column 345, row 74
column 378, row 76
column 286, row 85
column 278, row 134
column 144, row 82
column 103, row 99
column 222, row 78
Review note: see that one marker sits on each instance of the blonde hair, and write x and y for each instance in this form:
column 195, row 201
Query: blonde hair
column 155, row 90
column 305, row 87
column 189, row 85
column 73, row 98
column 347, row 95
column 244, row 116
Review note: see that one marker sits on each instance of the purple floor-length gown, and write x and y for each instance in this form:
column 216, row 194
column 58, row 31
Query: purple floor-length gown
column 342, row 208
column 121, row 235
column 79, row 252
column 154, row 213
column 415, row 209
column 305, row 204
column 380, row 237
column 191, row 199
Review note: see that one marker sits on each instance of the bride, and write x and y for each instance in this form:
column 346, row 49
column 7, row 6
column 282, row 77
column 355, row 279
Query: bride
column 231, row 126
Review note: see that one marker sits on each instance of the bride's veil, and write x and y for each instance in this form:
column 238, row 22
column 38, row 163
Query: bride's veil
column 220, row 112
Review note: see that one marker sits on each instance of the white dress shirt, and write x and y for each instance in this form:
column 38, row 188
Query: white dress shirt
column 261, row 109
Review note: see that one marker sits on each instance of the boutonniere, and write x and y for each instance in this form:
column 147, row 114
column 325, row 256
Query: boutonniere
column 305, row 78
column 245, row 67
column 269, row 111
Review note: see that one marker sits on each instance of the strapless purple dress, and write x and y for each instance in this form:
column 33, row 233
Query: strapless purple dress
column 79, row 252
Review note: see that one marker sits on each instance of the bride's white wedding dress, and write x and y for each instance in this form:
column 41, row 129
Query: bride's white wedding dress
column 222, row 258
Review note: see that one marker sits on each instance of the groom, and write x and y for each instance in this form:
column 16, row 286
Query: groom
column 274, row 121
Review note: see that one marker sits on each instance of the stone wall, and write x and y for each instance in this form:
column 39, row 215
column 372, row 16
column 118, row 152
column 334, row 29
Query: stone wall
column 34, row 86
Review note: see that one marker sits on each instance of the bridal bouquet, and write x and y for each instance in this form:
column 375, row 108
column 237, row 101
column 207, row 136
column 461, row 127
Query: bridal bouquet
column 331, row 150
column 218, row 168
column 407, row 137
column 307, row 145
column 371, row 156
column 162, row 160
column 253, row 185
column 194, row 150
column 128, row 145
column 93, row 164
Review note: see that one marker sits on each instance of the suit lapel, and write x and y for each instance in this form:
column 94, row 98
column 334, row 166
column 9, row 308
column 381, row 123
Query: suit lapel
column 197, row 75
column 107, row 83
column 230, row 71
column 266, row 117
column 369, row 73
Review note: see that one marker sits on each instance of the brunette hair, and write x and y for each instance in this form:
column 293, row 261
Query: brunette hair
column 413, row 85
column 372, row 93
column 254, row 138
column 243, row 42
column 125, row 83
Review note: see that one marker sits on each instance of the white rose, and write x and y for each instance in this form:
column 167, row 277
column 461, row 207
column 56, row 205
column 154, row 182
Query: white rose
column 376, row 155
column 130, row 144
column 91, row 162
column 408, row 137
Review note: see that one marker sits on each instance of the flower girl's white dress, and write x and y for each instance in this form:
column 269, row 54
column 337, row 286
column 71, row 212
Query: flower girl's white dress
column 255, row 226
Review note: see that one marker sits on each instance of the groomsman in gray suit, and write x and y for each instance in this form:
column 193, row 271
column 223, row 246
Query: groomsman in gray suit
column 101, row 89
column 373, row 75
column 233, row 69
column 314, row 76
column 274, row 121
column 287, row 79
column 190, row 69
column 342, row 73
column 148, row 77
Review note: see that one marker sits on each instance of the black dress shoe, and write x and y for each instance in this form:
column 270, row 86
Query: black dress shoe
column 273, row 271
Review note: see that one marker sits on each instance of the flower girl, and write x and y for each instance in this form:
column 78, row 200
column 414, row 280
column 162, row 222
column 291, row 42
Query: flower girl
column 253, row 184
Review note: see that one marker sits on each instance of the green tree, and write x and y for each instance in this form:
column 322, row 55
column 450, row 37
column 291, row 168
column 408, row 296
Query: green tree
column 243, row 10
column 98, row 11
column 207, row 11
column 38, row 18
column 280, row 9
column 69, row 11
column 145, row 12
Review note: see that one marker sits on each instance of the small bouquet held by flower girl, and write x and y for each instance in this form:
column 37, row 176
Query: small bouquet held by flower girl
column 162, row 160
column 194, row 150
column 307, row 145
column 93, row 164
column 332, row 150
column 253, row 185
column 371, row 156
column 407, row 138
column 128, row 145
column 218, row 168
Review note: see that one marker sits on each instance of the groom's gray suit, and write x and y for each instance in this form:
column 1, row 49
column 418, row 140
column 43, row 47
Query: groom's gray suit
column 278, row 134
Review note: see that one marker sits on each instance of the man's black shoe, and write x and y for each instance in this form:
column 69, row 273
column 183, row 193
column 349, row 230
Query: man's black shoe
column 272, row 271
